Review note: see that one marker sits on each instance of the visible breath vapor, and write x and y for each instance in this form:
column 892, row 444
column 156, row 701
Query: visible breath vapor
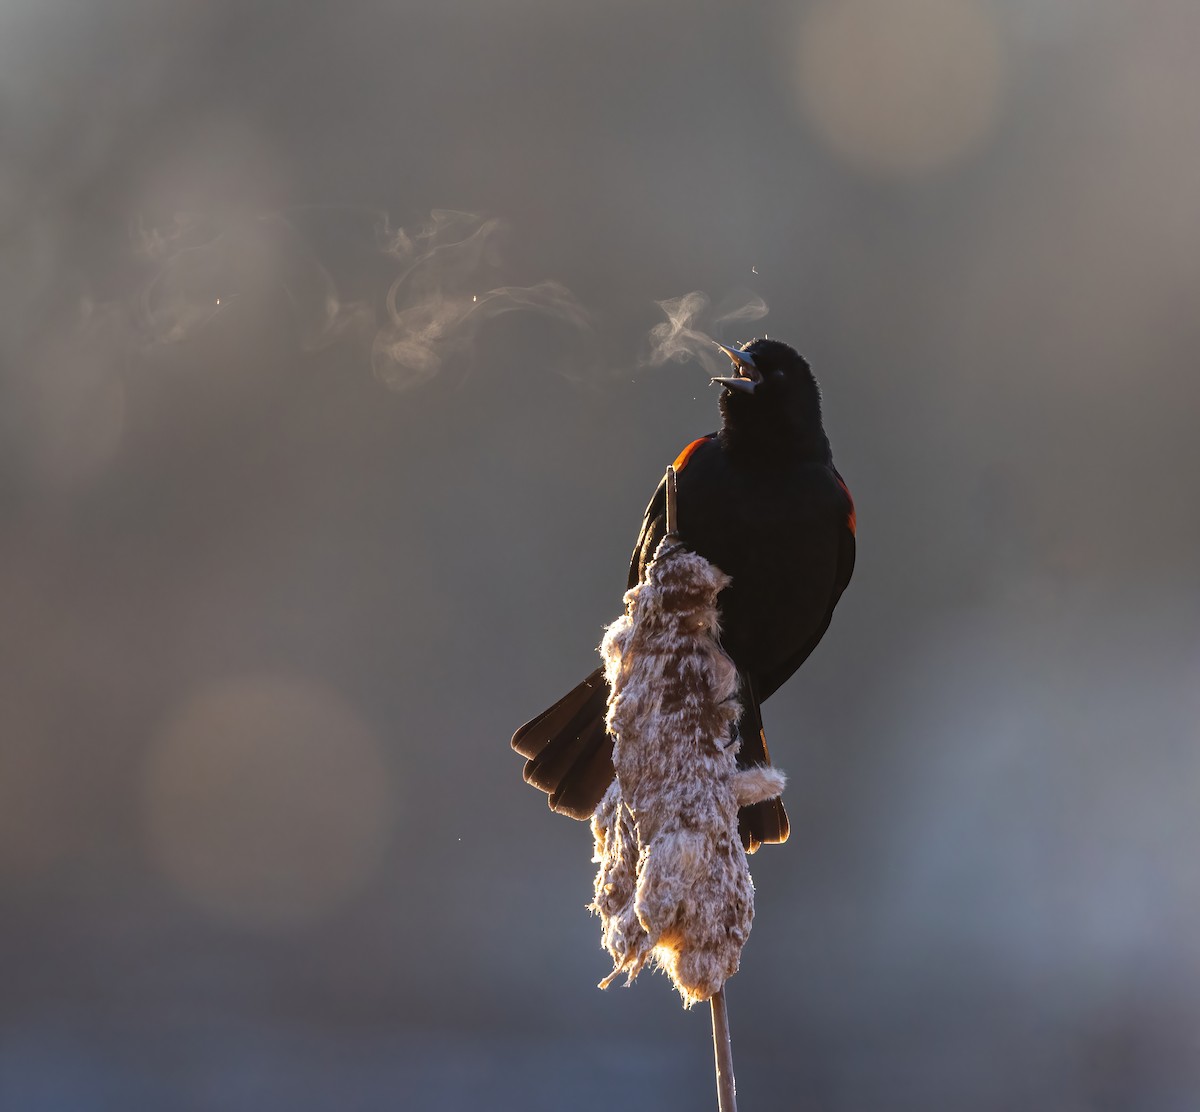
column 410, row 298
column 693, row 325
column 430, row 309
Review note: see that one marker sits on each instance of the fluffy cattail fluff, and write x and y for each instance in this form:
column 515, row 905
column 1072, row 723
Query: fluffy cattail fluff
column 674, row 884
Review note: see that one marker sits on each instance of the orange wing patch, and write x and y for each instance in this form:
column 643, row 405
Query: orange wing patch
column 851, row 520
column 683, row 457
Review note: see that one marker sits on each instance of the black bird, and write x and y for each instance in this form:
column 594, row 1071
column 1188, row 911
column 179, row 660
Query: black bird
column 762, row 500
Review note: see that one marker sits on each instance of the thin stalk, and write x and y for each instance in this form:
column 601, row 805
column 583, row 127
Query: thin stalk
column 723, row 1053
column 672, row 509
column 722, row 1047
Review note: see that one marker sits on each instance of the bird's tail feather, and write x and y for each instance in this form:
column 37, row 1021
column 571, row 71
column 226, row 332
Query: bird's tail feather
column 569, row 750
column 568, row 753
column 766, row 821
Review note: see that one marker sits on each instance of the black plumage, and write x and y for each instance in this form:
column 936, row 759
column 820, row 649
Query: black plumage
column 762, row 500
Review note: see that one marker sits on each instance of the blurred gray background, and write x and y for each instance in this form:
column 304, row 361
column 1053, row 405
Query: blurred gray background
column 328, row 413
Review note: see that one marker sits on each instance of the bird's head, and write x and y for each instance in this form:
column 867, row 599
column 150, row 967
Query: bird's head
column 772, row 394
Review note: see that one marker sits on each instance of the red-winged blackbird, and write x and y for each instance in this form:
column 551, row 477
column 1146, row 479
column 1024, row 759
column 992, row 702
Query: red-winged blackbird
column 762, row 500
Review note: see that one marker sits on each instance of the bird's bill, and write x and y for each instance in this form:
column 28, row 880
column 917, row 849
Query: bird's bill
column 747, row 377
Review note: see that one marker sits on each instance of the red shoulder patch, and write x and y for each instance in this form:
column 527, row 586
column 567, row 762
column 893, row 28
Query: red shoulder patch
column 683, row 457
column 851, row 520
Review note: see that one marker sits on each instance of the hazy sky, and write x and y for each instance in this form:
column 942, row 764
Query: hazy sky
column 328, row 411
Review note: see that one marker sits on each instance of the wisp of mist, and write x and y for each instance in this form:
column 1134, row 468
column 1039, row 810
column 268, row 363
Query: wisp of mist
column 694, row 325
column 410, row 298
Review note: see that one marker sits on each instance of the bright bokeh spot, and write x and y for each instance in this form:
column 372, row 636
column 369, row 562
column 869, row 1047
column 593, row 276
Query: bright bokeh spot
column 901, row 89
column 267, row 802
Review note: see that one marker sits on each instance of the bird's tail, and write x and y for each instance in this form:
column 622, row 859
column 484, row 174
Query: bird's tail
column 569, row 756
column 766, row 821
column 569, row 750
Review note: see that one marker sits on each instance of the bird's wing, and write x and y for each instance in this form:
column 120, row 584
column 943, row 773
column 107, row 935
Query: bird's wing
column 842, row 569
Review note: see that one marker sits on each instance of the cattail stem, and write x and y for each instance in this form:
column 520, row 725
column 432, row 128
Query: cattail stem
column 723, row 1052
column 722, row 1047
column 672, row 510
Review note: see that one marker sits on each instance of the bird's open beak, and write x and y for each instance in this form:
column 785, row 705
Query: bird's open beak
column 747, row 377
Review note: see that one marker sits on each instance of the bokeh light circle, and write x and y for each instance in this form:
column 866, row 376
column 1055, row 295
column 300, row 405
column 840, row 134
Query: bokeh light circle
column 900, row 89
column 267, row 802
